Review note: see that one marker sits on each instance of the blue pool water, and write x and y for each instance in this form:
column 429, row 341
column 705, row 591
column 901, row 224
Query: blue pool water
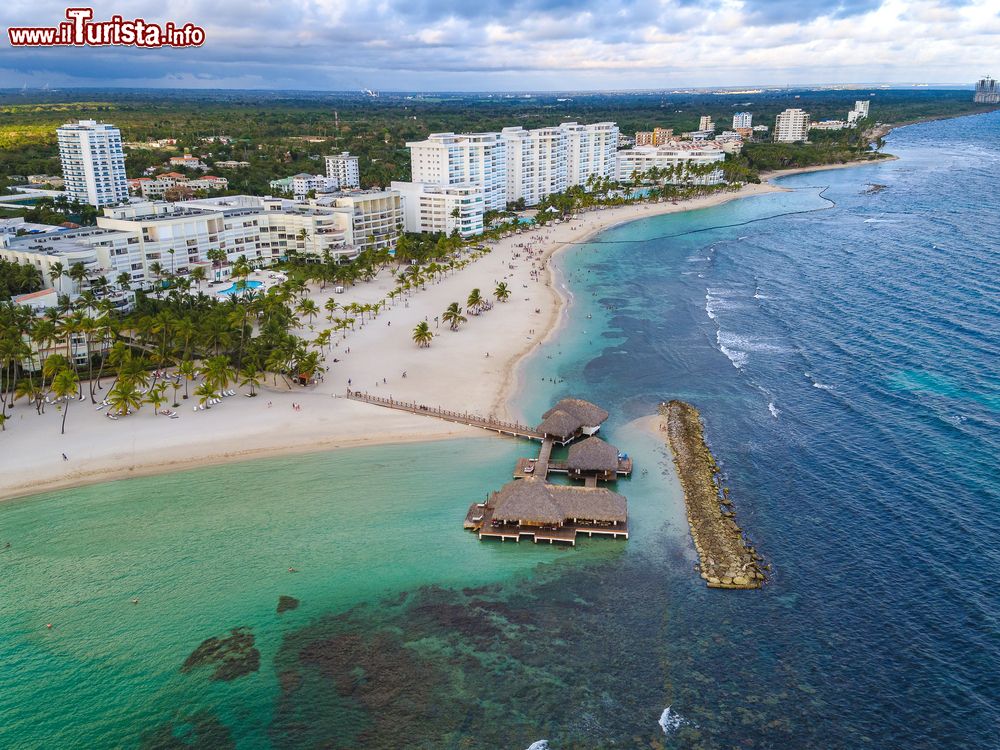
column 240, row 286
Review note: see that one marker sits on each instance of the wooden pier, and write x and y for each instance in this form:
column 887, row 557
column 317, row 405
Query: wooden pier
column 532, row 507
column 514, row 429
column 536, row 467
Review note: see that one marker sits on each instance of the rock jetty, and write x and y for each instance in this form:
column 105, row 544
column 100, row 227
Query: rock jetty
column 727, row 559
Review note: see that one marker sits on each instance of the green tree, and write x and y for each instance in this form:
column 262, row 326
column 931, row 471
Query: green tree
column 64, row 386
column 453, row 316
column 422, row 334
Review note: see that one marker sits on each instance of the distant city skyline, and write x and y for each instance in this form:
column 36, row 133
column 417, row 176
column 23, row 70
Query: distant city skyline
column 526, row 45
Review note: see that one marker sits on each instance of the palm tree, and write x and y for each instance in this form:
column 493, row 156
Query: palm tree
column 453, row 316
column 205, row 393
column 422, row 334
column 475, row 301
column 56, row 272
column 124, row 398
column 502, row 293
column 186, row 370
column 331, row 306
column 198, row 275
column 64, row 387
column 252, row 377
column 218, row 372
column 307, row 308
column 78, row 273
column 156, row 397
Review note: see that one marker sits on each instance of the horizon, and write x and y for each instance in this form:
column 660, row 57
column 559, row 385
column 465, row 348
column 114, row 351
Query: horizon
column 749, row 89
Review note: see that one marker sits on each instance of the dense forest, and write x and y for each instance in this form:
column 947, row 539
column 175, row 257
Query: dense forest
column 281, row 133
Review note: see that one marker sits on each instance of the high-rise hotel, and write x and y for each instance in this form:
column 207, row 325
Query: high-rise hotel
column 93, row 163
column 987, row 91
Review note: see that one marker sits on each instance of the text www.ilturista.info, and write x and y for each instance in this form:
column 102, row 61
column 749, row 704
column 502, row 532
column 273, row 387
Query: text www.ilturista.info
column 79, row 30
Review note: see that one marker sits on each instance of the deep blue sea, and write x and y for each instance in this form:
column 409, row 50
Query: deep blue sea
column 842, row 342
column 846, row 361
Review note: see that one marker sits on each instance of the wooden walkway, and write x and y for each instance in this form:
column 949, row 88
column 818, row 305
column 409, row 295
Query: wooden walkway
column 534, row 467
column 486, row 423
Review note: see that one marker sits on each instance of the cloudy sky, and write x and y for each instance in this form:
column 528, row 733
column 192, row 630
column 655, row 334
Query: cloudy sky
column 524, row 44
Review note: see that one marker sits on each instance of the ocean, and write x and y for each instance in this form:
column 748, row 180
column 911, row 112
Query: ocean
column 841, row 341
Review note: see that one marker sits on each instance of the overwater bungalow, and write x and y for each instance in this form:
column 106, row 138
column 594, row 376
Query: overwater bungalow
column 549, row 512
column 594, row 458
column 570, row 418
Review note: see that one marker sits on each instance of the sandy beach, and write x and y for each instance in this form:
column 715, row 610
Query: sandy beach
column 471, row 369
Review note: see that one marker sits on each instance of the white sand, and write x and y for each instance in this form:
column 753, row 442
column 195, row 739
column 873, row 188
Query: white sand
column 454, row 372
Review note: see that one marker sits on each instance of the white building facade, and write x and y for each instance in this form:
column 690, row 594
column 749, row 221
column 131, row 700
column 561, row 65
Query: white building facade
column 536, row 163
column 441, row 208
column 680, row 156
column 180, row 236
column 590, row 150
column 344, row 169
column 93, row 162
column 743, row 120
column 791, row 125
column 450, row 159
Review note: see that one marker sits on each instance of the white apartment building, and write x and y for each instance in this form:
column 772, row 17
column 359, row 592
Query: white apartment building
column 179, row 236
column 450, row 159
column 705, row 123
column 860, row 111
column 232, row 164
column 188, row 161
column 828, row 125
column 679, row 155
column 791, row 125
column 299, row 185
column 441, row 208
column 536, row 163
column 590, row 150
column 344, row 168
column 93, row 162
column 742, row 120
column 376, row 217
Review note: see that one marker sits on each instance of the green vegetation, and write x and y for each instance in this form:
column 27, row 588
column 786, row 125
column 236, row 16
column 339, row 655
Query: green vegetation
column 18, row 278
column 220, row 343
column 281, row 133
column 824, row 147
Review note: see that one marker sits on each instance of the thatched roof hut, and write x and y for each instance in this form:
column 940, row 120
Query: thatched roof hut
column 590, row 415
column 534, row 502
column 593, row 455
column 559, row 424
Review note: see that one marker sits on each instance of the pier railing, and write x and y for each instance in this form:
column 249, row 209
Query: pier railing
column 472, row 420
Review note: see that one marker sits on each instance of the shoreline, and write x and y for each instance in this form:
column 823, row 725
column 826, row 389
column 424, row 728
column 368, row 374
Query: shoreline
column 487, row 388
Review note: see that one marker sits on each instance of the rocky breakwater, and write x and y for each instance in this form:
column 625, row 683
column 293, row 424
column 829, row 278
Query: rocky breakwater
column 728, row 561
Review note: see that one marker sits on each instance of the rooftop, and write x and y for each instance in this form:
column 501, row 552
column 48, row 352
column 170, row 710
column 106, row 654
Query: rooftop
column 592, row 454
column 533, row 501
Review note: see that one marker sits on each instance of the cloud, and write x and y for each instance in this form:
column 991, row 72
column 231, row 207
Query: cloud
column 541, row 44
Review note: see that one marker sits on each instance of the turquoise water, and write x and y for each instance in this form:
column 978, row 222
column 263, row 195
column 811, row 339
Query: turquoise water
column 842, row 347
column 240, row 286
column 208, row 550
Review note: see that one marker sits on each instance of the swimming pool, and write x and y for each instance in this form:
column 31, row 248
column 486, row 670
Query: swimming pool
column 240, row 286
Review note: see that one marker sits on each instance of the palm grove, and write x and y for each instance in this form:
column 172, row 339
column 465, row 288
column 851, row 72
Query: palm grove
column 96, row 354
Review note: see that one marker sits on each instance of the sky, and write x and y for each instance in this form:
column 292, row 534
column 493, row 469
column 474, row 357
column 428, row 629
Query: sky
column 555, row 45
